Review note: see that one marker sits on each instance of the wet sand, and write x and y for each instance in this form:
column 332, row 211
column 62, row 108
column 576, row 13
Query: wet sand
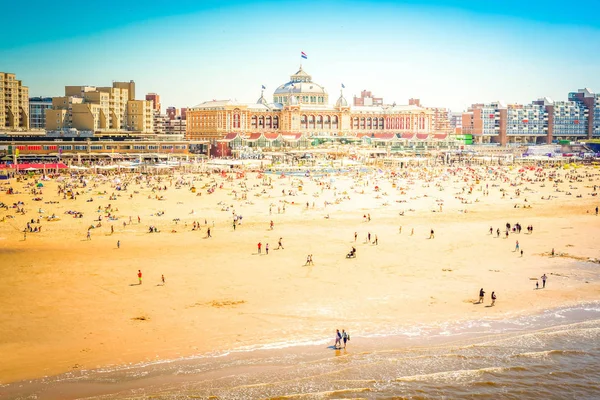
column 71, row 304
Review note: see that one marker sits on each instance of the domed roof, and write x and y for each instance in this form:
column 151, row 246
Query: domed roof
column 341, row 102
column 262, row 99
column 300, row 82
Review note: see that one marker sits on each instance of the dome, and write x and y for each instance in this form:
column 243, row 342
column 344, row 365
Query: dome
column 301, row 85
column 341, row 102
column 262, row 99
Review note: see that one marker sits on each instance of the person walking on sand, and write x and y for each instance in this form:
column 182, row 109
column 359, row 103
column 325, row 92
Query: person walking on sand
column 481, row 295
column 517, row 246
column 544, row 277
column 355, row 236
column 162, row 278
column 208, row 232
column 431, row 235
column 139, row 277
column 267, row 248
column 493, row 299
column 345, row 337
column 338, row 339
column 118, row 244
column 596, row 210
column 259, row 245
column 280, row 244
column 89, row 235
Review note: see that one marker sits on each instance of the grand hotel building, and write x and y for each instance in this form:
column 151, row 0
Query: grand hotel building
column 300, row 111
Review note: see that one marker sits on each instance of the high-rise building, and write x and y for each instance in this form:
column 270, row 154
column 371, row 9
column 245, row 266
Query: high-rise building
column 155, row 98
column 441, row 120
column 37, row 111
column 172, row 113
column 14, row 103
column 414, row 102
column 592, row 102
column 366, row 99
column 90, row 108
column 139, row 116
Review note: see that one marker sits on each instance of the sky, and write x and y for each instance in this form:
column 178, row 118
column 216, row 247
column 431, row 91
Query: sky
column 447, row 53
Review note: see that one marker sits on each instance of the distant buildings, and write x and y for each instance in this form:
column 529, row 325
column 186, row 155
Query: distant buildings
column 37, row 111
column 155, row 99
column 367, row 99
column 542, row 121
column 14, row 103
column 100, row 109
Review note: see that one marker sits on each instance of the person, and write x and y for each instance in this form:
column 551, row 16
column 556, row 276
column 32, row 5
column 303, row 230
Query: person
column 431, row 234
column 517, row 246
column 118, row 244
column 355, row 236
column 544, row 277
column 553, row 252
column 267, row 248
column 310, row 260
column 259, row 245
column 338, row 338
column 481, row 295
column 493, row 299
column 537, row 285
column 521, row 252
column 208, row 232
column 596, row 210
column 345, row 337
column 280, row 245
column 89, row 235
column 140, row 276
column 162, row 278
column 376, row 241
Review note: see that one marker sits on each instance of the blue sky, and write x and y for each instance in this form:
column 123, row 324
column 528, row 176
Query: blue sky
column 448, row 53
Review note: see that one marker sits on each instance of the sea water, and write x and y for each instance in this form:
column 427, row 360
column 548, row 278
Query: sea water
column 550, row 355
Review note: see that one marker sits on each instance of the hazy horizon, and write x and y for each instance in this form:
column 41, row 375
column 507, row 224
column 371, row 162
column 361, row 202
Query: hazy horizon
column 448, row 54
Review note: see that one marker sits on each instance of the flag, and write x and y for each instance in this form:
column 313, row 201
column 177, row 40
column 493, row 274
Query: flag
column 303, row 55
column 263, row 86
column 343, row 86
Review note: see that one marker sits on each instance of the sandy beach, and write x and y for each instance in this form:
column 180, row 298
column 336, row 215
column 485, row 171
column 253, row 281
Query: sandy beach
column 69, row 303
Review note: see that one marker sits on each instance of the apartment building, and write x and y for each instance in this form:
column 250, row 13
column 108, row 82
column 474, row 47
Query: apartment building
column 367, row 99
column 542, row 121
column 14, row 103
column 37, row 111
column 155, row 98
column 140, row 116
column 90, row 108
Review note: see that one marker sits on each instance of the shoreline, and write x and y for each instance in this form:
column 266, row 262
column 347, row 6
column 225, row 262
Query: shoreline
column 221, row 364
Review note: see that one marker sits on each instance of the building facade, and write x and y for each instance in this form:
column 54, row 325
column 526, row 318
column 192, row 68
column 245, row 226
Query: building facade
column 90, row 108
column 367, row 99
column 301, row 106
column 14, row 103
column 155, row 99
column 37, row 111
column 543, row 121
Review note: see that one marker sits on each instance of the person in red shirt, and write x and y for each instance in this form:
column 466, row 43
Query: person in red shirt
column 140, row 276
column 259, row 247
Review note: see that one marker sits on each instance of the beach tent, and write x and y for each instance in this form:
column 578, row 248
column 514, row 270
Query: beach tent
column 40, row 185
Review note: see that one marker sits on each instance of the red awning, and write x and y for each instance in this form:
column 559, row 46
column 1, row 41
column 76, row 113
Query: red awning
column 408, row 135
column 422, row 136
column 22, row 167
column 440, row 136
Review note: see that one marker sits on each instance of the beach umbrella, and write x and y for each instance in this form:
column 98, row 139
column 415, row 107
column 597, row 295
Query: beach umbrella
column 40, row 185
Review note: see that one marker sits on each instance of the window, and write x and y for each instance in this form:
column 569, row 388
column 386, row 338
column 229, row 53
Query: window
column 276, row 122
